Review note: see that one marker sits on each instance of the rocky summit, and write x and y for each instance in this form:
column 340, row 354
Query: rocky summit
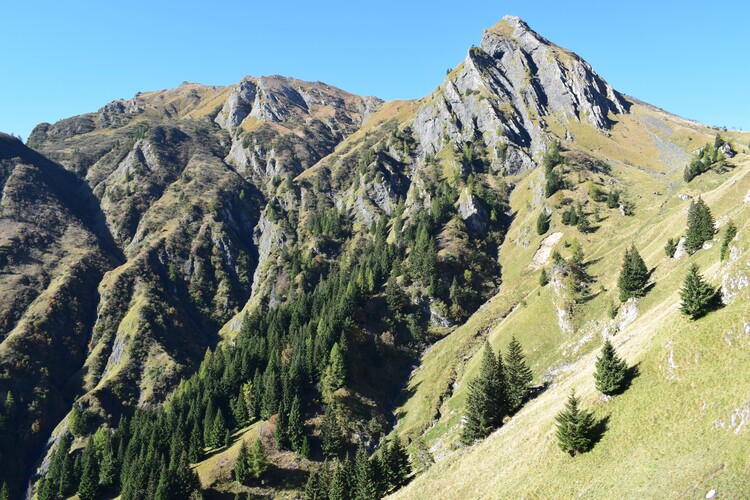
column 522, row 284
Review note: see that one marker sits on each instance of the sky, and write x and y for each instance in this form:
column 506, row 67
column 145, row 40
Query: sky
column 72, row 57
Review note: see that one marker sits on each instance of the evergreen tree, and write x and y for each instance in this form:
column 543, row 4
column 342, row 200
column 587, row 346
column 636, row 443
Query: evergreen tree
column 339, row 487
column 633, row 276
column 68, row 479
column 518, row 376
column 485, row 405
column 296, row 428
column 4, row 493
column 366, row 487
column 671, row 247
column 611, row 371
column 700, row 226
column 89, row 486
column 396, row 465
column 729, row 233
column 542, row 222
column 280, row 433
column 186, row 481
column 218, row 430
column 241, row 469
column 195, row 445
column 697, row 295
column 543, row 278
column 574, row 427
column 258, row 459
column 335, row 374
column 313, row 487
column 330, row 432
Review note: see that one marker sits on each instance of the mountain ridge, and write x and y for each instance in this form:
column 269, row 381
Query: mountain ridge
column 229, row 201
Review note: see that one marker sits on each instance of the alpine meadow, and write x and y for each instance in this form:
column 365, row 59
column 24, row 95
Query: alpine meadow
column 525, row 284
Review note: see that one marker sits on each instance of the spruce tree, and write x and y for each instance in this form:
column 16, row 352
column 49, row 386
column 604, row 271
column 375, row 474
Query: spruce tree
column 542, row 222
column 729, row 233
column 574, row 427
column 330, row 432
column 218, row 430
column 296, row 430
column 280, row 433
column 633, row 276
column 335, row 374
column 313, row 487
column 485, row 407
column 700, row 226
column 543, row 278
column 241, row 469
column 518, row 376
column 4, row 493
column 396, row 464
column 89, row 486
column 611, row 371
column 697, row 295
column 258, row 459
column 338, row 487
column 366, row 487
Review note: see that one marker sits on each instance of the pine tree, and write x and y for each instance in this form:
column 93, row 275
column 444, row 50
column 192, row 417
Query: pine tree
column 4, row 493
column 68, row 479
column 697, row 295
column 313, row 487
column 485, row 405
column 330, row 432
column 296, row 428
column 700, row 226
column 611, row 371
column 218, row 430
column 366, row 487
column 543, row 278
column 517, row 375
column 280, row 433
column 241, row 469
column 258, row 459
column 542, row 222
column 574, row 427
column 335, row 374
column 396, row 465
column 729, row 233
column 89, row 486
column 633, row 276
column 338, row 487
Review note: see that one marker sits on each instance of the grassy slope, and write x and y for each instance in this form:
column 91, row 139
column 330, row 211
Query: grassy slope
column 665, row 432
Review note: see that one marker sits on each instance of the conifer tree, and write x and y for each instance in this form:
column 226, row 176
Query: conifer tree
column 109, row 468
column 542, row 222
column 366, row 487
column 218, row 430
column 574, row 427
column 729, row 233
column 485, row 405
column 68, row 479
column 633, row 276
column 543, row 278
column 258, row 459
column 4, row 493
column 700, row 226
column 339, row 487
column 518, row 376
column 611, row 371
column 697, row 295
column 330, row 432
column 313, row 487
column 241, row 469
column 335, row 374
column 296, row 429
column 89, row 486
column 280, row 433
column 396, row 465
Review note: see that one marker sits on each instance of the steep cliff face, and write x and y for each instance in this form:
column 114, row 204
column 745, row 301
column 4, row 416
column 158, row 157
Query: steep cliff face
column 54, row 250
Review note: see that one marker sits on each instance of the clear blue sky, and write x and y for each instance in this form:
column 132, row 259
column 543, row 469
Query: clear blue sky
column 69, row 57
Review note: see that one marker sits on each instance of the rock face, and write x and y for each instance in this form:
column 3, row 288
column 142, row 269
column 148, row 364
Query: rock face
column 508, row 89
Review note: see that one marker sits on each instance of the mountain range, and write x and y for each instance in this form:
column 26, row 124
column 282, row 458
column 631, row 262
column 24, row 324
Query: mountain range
column 281, row 251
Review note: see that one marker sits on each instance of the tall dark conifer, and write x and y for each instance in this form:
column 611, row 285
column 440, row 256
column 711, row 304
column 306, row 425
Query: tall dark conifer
column 574, row 427
column 633, row 276
column 611, row 371
column 518, row 375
